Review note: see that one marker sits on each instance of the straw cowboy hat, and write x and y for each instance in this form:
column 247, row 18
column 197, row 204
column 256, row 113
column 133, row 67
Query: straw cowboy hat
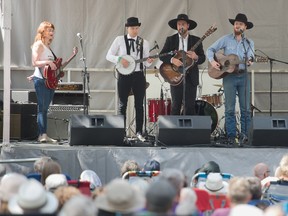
column 173, row 23
column 242, row 18
column 214, row 184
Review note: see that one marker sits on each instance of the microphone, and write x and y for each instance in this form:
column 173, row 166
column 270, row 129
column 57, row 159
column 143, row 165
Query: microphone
column 79, row 36
column 181, row 30
column 156, row 45
column 241, row 30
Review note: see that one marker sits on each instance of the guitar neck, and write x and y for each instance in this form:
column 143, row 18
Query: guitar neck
column 67, row 62
column 153, row 56
column 198, row 43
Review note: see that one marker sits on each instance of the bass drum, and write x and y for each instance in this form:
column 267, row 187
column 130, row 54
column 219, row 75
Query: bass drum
column 203, row 108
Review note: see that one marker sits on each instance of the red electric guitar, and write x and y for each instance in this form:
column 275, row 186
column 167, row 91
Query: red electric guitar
column 52, row 77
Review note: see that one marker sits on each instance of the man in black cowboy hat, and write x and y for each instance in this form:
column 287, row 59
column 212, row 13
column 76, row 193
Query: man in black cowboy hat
column 237, row 83
column 175, row 42
column 131, row 45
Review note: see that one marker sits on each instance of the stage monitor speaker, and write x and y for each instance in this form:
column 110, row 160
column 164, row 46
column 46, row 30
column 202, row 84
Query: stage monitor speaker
column 58, row 119
column 184, row 130
column 269, row 131
column 96, row 130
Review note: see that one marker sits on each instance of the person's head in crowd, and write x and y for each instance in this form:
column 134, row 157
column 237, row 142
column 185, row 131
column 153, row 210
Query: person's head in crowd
column 9, row 186
column 256, row 193
column 160, row 197
column 129, row 165
column 284, row 167
column 32, row 198
column 119, row 197
column 209, row 167
column 277, row 173
column 255, row 188
column 54, row 181
column 187, row 202
column 79, row 205
column 245, row 210
column 175, row 177
column 239, row 191
column 261, row 171
column 151, row 165
column 92, row 177
column 214, row 184
column 50, row 167
column 39, row 163
column 65, row 193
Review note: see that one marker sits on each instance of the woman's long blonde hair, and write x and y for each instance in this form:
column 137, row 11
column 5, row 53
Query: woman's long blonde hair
column 41, row 29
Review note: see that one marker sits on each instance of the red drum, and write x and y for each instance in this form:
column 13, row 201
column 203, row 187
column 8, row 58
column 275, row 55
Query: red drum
column 158, row 107
column 203, row 108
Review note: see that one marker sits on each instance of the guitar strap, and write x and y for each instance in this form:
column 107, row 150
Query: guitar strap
column 40, row 69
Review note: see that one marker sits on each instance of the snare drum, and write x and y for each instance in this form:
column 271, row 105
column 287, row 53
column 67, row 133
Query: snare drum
column 203, row 108
column 158, row 107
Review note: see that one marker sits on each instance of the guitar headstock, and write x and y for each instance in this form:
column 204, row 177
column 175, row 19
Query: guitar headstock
column 212, row 29
column 75, row 50
column 261, row 58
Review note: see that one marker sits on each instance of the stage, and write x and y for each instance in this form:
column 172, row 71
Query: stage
column 106, row 160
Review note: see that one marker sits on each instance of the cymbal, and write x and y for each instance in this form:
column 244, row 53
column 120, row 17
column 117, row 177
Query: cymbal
column 131, row 92
column 218, row 85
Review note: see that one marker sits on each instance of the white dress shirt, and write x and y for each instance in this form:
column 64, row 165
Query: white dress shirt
column 118, row 49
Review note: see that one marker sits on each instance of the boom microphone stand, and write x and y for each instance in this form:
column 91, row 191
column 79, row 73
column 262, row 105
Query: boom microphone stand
column 86, row 77
column 271, row 60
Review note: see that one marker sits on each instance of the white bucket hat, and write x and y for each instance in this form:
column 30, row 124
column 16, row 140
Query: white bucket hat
column 214, row 184
column 33, row 198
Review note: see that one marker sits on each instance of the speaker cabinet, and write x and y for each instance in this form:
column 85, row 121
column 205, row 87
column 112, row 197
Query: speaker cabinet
column 23, row 122
column 58, row 120
column 269, row 131
column 184, row 130
column 96, row 130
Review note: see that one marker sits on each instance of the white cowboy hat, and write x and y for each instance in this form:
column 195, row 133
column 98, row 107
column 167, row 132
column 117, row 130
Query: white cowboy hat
column 33, row 198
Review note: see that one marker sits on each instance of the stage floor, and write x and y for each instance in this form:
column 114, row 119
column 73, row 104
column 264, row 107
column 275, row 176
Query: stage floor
column 107, row 160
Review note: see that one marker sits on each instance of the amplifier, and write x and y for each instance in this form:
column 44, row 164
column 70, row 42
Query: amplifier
column 63, row 97
column 58, row 119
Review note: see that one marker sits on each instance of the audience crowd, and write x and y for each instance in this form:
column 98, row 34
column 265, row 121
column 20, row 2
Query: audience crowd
column 146, row 191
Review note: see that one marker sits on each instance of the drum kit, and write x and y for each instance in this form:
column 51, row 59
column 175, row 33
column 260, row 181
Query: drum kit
column 206, row 105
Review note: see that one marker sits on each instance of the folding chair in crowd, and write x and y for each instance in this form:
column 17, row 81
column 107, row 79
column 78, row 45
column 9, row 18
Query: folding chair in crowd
column 141, row 174
column 276, row 191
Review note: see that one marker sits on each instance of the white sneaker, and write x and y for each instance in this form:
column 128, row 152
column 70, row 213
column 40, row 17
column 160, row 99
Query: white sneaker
column 140, row 137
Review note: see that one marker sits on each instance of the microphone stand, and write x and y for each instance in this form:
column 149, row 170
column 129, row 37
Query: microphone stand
column 184, row 73
column 271, row 60
column 246, row 79
column 86, row 78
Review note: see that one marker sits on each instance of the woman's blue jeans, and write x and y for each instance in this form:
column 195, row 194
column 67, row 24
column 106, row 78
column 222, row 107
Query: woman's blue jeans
column 237, row 84
column 44, row 98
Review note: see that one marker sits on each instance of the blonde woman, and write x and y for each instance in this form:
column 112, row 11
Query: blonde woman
column 42, row 55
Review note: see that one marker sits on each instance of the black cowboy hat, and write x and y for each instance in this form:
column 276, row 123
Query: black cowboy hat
column 132, row 21
column 242, row 18
column 173, row 23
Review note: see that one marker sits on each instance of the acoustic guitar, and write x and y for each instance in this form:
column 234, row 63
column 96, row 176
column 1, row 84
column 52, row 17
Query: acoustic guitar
column 52, row 77
column 228, row 64
column 173, row 74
